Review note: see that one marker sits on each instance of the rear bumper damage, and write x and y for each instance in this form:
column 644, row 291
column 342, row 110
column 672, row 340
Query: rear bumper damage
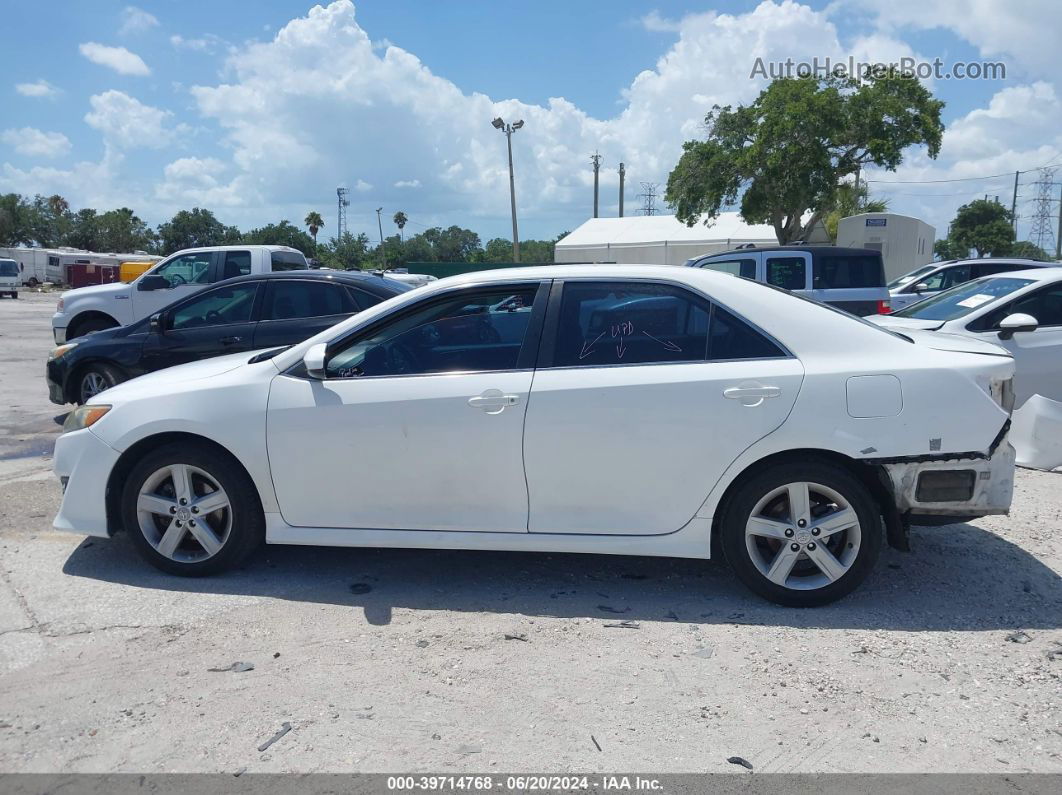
column 935, row 489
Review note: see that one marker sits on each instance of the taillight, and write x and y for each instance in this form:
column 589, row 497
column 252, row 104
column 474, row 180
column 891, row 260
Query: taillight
column 884, row 308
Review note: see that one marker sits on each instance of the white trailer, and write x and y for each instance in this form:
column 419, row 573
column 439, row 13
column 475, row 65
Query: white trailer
column 39, row 265
column 905, row 243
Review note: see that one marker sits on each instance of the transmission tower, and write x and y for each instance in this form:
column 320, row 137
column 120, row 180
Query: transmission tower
column 1042, row 230
column 344, row 203
column 648, row 197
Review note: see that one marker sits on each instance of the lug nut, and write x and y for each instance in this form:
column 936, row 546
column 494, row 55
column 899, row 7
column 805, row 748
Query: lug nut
column 184, row 501
column 195, row 509
column 191, row 523
column 173, row 509
column 789, row 532
column 814, row 531
column 795, row 547
column 802, row 523
column 811, row 546
column 179, row 523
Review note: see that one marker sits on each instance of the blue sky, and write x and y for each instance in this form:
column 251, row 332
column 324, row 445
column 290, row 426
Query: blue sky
column 258, row 110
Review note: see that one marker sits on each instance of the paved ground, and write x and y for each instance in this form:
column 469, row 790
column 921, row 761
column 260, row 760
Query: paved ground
column 385, row 660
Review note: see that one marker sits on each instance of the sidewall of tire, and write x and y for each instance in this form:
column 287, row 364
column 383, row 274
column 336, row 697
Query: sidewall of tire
column 248, row 521
column 739, row 507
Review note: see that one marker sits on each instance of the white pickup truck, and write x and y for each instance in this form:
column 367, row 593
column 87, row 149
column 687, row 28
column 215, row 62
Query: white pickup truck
column 107, row 305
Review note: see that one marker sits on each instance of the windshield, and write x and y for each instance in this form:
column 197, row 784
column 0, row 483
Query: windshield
column 963, row 299
column 907, row 278
column 8, row 267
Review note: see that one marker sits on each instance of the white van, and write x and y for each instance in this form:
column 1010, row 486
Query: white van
column 9, row 278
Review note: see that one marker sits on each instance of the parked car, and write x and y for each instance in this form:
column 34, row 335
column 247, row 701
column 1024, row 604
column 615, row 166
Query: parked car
column 851, row 279
column 931, row 279
column 241, row 314
column 585, row 420
column 178, row 276
column 9, row 278
column 1020, row 311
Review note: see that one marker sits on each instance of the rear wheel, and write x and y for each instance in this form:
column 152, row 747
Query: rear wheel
column 191, row 510
column 94, row 379
column 802, row 535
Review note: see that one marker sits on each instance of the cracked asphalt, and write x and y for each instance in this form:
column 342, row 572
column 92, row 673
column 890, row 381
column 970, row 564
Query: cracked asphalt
column 947, row 659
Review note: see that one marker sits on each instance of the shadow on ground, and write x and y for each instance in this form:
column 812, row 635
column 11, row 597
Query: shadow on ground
column 959, row 577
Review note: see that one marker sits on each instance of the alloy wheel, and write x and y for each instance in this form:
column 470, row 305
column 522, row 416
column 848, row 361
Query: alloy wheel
column 92, row 383
column 183, row 513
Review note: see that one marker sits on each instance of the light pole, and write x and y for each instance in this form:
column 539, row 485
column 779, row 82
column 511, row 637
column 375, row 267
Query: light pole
column 509, row 129
column 379, row 225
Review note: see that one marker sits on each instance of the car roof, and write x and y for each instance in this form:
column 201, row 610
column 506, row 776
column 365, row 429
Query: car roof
column 1032, row 263
column 1039, row 274
column 237, row 247
column 345, row 277
column 843, row 250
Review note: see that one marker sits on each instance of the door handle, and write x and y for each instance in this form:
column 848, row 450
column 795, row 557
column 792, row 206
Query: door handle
column 493, row 402
column 740, row 392
column 230, row 340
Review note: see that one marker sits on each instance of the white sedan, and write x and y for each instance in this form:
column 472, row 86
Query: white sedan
column 636, row 410
column 1020, row 311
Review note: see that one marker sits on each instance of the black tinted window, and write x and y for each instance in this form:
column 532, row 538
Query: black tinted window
column 1045, row 305
column 287, row 261
column 237, row 263
column 744, row 267
column 840, row 271
column 789, row 273
column 732, row 338
column 476, row 331
column 216, row 307
column 288, row 300
column 630, row 323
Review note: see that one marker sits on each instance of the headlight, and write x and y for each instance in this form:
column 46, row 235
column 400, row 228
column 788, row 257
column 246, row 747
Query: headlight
column 84, row 417
column 62, row 350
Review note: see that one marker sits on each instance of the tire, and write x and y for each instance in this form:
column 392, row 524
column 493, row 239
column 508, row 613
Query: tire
column 787, row 562
column 92, row 380
column 90, row 325
column 150, row 510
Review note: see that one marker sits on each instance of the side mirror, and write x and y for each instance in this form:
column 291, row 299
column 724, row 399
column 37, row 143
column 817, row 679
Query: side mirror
column 1019, row 321
column 156, row 323
column 314, row 361
column 921, row 287
column 153, row 282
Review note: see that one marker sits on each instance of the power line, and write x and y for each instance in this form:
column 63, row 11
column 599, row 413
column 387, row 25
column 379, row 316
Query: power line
column 959, row 179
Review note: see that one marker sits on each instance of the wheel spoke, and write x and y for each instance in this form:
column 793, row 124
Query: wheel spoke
column 171, row 539
column 799, row 503
column 182, row 482
column 782, row 565
column 826, row 561
column 205, row 536
column 209, row 503
column 768, row 528
column 836, row 522
column 152, row 503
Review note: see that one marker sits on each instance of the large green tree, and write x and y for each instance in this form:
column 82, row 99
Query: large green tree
column 282, row 234
column 1029, row 250
column 783, row 157
column 194, row 228
column 16, row 220
column 122, row 230
column 985, row 226
column 349, row 252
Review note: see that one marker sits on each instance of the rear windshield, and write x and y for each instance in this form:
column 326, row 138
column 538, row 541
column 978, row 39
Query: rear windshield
column 842, row 271
column 288, row 261
column 963, row 299
column 8, row 267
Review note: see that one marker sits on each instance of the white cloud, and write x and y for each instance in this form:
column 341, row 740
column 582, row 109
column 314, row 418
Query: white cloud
column 38, row 88
column 198, row 181
column 32, row 142
column 119, row 59
column 408, row 183
column 361, row 186
column 207, row 43
column 136, row 20
column 128, row 123
column 656, row 23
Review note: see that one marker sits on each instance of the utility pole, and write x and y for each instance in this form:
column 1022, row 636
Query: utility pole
column 1058, row 237
column 341, row 214
column 509, row 129
column 1014, row 206
column 623, row 173
column 595, row 158
column 379, row 225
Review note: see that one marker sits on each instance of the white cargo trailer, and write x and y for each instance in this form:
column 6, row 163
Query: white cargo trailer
column 905, row 243
column 39, row 265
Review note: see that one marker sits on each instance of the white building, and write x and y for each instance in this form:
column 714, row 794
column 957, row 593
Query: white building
column 657, row 239
column 905, row 243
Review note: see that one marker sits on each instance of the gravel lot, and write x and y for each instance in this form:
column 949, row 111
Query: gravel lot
column 393, row 660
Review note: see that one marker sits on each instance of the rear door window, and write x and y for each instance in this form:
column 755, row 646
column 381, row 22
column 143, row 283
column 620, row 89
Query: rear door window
column 237, row 263
column 733, row 338
column 218, row 307
column 847, row 271
column 745, row 267
column 787, row 272
column 948, row 277
column 289, row 300
column 287, row 261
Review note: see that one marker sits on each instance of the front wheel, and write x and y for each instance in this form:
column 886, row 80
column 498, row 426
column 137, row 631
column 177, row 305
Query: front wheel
column 191, row 510
column 95, row 379
column 802, row 535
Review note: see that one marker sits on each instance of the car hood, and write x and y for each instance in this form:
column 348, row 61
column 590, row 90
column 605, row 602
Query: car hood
column 96, row 291
column 958, row 343
column 166, row 379
column 902, row 323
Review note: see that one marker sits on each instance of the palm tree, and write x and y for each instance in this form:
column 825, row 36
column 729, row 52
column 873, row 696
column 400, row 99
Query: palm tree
column 400, row 221
column 314, row 222
column 852, row 200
